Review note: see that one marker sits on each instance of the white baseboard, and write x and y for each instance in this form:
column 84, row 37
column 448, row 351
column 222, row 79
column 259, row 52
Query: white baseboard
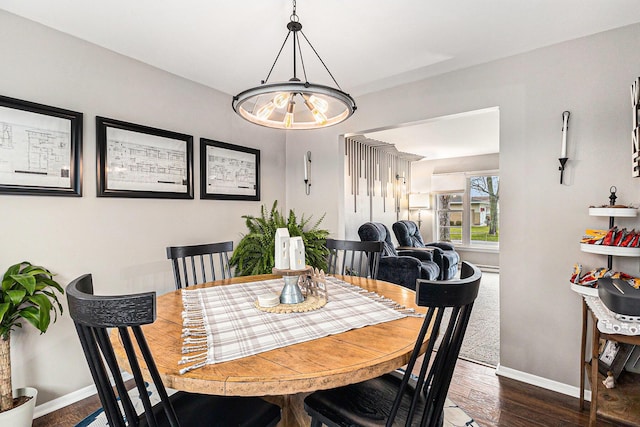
column 68, row 399
column 541, row 382
column 62, row 401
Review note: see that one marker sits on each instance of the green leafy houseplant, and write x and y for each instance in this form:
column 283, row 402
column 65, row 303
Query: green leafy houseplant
column 255, row 254
column 27, row 293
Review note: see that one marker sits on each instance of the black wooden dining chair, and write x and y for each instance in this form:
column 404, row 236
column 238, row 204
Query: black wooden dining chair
column 200, row 263
column 405, row 399
column 93, row 315
column 354, row 258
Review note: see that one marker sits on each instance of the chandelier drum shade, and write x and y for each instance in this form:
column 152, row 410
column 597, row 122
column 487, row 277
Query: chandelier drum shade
column 294, row 104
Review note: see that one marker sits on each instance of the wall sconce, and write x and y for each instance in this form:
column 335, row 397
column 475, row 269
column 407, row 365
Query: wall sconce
column 419, row 202
column 307, row 173
column 563, row 151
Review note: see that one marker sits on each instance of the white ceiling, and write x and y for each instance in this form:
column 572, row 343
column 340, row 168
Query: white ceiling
column 471, row 133
column 367, row 44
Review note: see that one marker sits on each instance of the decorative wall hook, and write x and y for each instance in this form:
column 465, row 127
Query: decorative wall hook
column 307, row 173
column 563, row 151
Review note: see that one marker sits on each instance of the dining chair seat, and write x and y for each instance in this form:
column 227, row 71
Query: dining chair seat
column 93, row 315
column 200, row 263
column 354, row 258
column 408, row 399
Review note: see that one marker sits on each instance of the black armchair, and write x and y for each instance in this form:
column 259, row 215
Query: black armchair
column 402, row 267
column 444, row 254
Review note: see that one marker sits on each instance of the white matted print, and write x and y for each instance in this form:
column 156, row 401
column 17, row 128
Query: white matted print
column 229, row 172
column 138, row 161
column 40, row 149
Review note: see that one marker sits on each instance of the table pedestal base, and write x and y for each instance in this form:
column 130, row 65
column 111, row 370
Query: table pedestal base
column 293, row 413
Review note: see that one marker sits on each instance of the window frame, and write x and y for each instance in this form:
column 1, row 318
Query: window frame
column 465, row 241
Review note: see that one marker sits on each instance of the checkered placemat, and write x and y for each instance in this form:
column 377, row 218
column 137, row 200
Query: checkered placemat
column 221, row 323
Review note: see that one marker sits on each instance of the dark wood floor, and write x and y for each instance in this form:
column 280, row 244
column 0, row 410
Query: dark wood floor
column 497, row 401
column 489, row 399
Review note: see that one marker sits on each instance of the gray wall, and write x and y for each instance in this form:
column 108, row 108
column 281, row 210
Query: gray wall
column 120, row 241
column 542, row 221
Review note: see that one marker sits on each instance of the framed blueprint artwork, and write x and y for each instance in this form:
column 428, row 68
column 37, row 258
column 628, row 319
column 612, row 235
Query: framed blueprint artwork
column 40, row 149
column 229, row 172
column 140, row 161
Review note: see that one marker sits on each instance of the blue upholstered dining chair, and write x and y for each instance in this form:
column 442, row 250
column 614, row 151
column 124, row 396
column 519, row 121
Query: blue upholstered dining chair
column 396, row 398
column 94, row 315
column 444, row 254
column 402, row 267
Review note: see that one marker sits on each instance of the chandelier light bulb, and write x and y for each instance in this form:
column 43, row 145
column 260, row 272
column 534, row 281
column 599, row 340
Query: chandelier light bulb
column 318, row 115
column 265, row 111
column 281, row 98
column 320, row 104
column 288, row 118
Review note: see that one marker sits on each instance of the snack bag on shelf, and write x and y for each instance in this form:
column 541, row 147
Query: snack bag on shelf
column 590, row 278
column 575, row 277
column 620, row 235
column 621, row 275
column 628, row 238
column 594, row 237
column 635, row 282
column 610, row 237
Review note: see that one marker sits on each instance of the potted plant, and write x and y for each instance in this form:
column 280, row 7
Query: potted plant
column 27, row 293
column 255, row 253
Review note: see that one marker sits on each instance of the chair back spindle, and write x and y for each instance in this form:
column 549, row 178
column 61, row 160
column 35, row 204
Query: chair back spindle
column 354, row 258
column 197, row 264
column 93, row 315
column 456, row 297
column 407, row 399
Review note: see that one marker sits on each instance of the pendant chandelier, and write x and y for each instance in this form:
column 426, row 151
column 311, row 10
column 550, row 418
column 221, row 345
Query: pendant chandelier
column 294, row 104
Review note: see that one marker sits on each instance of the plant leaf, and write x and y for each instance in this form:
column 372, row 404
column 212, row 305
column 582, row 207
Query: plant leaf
column 44, row 308
column 16, row 297
column 28, row 282
column 32, row 315
column 4, row 308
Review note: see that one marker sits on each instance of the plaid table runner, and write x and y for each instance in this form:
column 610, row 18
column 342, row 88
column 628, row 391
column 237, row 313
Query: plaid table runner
column 221, row 323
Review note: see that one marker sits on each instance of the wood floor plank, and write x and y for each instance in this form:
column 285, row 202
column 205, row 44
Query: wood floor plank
column 489, row 399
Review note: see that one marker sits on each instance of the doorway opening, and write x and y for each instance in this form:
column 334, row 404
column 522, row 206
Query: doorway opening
column 453, row 149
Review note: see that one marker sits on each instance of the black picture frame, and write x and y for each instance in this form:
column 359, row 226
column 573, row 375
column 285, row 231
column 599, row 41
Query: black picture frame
column 142, row 162
column 228, row 171
column 40, row 149
column 613, row 356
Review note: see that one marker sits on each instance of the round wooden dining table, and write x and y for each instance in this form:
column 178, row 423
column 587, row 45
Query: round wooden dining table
column 286, row 375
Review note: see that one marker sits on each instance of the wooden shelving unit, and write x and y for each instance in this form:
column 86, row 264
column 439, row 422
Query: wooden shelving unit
column 620, row 405
column 623, row 402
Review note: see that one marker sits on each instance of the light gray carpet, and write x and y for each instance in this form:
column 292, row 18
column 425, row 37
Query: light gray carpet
column 482, row 340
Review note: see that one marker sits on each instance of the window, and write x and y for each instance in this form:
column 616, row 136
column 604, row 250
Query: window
column 449, row 215
column 470, row 217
